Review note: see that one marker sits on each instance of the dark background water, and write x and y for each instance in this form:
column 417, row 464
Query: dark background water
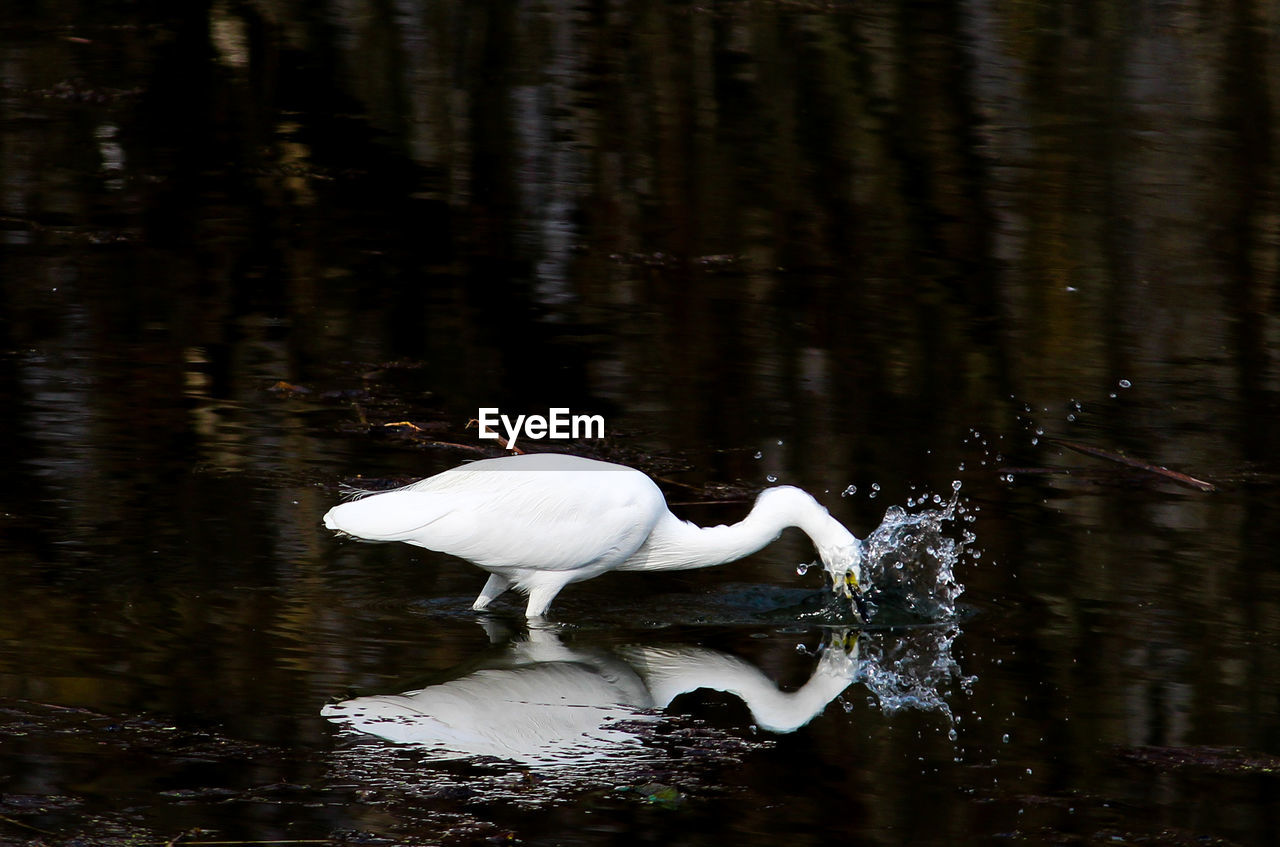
column 835, row 244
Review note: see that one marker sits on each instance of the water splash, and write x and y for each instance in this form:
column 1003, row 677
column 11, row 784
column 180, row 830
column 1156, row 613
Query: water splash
column 912, row 669
column 910, row 561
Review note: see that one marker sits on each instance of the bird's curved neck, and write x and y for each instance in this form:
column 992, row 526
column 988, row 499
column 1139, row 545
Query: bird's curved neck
column 669, row 672
column 679, row 545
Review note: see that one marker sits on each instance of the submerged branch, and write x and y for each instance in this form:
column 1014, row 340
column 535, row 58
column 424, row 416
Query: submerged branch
column 499, row 438
column 1107, row 455
column 26, row 826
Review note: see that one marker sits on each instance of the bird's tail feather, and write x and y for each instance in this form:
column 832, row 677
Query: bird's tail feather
column 390, row 515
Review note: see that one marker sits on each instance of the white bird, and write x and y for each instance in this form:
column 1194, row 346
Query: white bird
column 538, row 522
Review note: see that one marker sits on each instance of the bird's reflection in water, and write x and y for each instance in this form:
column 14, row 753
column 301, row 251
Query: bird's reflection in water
column 542, row 702
column 537, row 702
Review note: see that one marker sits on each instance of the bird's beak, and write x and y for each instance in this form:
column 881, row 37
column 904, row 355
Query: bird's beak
column 853, row 590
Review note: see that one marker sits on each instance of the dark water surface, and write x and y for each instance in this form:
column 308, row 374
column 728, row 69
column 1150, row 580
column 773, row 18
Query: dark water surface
column 880, row 245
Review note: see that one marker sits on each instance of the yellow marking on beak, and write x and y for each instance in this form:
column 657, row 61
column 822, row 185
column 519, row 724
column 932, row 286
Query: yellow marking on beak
column 851, row 583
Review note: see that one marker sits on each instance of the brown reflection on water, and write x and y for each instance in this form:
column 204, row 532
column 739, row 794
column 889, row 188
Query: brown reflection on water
column 866, row 232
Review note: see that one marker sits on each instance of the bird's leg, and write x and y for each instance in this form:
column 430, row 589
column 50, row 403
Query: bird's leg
column 496, row 585
column 540, row 597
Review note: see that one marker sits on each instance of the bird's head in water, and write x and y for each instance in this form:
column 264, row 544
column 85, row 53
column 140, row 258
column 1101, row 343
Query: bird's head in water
column 844, row 565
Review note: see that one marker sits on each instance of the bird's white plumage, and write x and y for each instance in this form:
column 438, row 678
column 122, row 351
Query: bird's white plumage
column 538, row 522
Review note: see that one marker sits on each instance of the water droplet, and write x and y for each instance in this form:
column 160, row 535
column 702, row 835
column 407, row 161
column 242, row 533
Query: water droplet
column 875, row 486
column 1071, row 418
column 1005, row 738
column 771, row 478
column 953, row 735
column 955, row 485
column 849, row 491
column 802, row 569
column 759, row 454
column 1124, row 383
column 779, row 442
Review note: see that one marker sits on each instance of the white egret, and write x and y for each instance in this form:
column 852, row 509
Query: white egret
column 538, row 522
